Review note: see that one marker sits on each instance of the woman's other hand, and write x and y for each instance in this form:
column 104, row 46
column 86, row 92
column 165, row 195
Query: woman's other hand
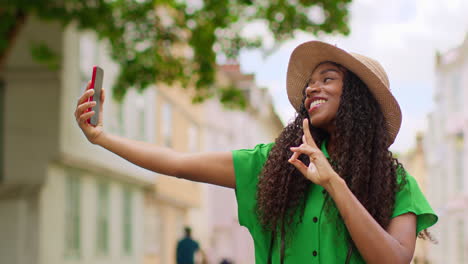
column 319, row 170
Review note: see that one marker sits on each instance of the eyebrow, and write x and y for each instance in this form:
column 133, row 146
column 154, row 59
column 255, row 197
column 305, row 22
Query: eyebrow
column 329, row 70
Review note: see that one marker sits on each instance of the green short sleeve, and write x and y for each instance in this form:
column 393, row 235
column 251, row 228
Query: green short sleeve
column 248, row 164
column 410, row 199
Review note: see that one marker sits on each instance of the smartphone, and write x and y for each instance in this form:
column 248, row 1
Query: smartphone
column 96, row 84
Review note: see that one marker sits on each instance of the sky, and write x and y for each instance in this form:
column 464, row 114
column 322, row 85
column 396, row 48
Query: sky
column 403, row 35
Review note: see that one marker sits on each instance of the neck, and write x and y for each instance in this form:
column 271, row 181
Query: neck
column 331, row 144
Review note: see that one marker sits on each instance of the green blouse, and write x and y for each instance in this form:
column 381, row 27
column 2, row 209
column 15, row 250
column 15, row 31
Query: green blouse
column 318, row 238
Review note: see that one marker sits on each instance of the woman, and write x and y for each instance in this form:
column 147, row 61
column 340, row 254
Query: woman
column 328, row 190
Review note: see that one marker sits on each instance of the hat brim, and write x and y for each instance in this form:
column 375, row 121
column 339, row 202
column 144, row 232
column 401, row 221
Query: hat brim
column 307, row 56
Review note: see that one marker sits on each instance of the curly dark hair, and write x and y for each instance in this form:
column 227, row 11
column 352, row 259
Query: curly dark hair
column 361, row 157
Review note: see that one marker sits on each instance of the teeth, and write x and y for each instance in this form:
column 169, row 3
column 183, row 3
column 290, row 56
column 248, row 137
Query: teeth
column 316, row 102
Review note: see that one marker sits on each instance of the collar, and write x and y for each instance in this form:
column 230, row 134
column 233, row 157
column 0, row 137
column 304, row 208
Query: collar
column 324, row 148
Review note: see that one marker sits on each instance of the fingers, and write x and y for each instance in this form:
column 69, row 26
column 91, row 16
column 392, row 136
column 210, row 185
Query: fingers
column 85, row 96
column 103, row 96
column 308, row 150
column 83, row 107
column 83, row 104
column 304, row 149
column 307, row 139
column 82, row 118
column 294, row 156
column 101, row 110
column 299, row 165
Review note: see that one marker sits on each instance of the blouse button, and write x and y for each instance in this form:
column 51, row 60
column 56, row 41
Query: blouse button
column 314, row 253
column 315, row 219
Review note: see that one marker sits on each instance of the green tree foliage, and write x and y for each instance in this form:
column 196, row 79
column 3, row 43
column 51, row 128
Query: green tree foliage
column 175, row 40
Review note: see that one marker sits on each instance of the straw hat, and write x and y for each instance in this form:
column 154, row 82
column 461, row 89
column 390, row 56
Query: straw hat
column 305, row 58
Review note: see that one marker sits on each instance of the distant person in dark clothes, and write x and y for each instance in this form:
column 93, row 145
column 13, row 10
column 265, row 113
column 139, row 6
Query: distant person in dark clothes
column 186, row 248
column 225, row 261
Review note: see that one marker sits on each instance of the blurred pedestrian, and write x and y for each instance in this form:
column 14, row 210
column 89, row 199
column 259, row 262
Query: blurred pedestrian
column 186, row 248
column 225, row 261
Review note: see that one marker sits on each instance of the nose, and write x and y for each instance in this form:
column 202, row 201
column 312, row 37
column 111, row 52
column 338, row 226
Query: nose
column 312, row 88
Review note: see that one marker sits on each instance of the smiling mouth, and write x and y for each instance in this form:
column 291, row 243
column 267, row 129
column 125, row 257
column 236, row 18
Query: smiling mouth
column 316, row 104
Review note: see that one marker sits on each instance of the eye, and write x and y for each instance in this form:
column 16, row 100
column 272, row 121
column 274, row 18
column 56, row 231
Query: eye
column 327, row 79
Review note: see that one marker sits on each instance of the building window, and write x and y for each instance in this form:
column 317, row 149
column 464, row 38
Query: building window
column 457, row 92
column 140, row 117
column 152, row 227
column 151, row 117
column 141, row 122
column 167, row 124
column 461, row 241
column 73, row 216
column 2, row 135
column 459, row 166
column 180, row 224
column 445, row 239
column 133, row 115
column 193, row 138
column 127, row 212
column 89, row 56
column 120, row 119
column 102, row 232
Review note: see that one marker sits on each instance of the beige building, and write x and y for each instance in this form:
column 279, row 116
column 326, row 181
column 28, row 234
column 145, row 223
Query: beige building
column 446, row 158
column 209, row 210
column 226, row 130
column 176, row 202
column 415, row 163
column 62, row 199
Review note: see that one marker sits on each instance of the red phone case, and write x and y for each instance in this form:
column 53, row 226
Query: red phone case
column 92, row 86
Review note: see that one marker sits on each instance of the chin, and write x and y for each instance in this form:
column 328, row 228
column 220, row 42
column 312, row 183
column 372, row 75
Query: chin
column 316, row 123
column 319, row 123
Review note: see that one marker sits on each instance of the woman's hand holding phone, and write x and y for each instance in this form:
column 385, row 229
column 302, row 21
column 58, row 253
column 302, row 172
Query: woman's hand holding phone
column 159, row 159
column 82, row 115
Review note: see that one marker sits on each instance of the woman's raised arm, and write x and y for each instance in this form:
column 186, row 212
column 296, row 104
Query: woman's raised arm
column 211, row 167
